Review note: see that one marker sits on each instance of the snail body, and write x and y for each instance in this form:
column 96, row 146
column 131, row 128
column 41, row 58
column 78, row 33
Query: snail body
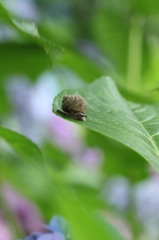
column 74, row 106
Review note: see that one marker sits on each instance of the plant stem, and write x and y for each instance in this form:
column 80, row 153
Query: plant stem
column 135, row 48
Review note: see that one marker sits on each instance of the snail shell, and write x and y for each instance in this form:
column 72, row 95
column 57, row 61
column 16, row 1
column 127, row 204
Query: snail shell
column 74, row 104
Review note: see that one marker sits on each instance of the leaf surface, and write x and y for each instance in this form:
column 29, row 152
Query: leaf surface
column 134, row 125
column 23, row 146
column 28, row 30
column 84, row 224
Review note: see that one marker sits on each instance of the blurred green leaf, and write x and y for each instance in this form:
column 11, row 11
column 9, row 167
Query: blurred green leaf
column 119, row 159
column 27, row 59
column 60, row 31
column 145, row 7
column 84, row 224
column 24, row 147
column 89, row 196
column 81, row 65
column 55, row 156
column 126, row 33
column 110, row 31
column 134, row 125
column 4, row 104
column 28, row 30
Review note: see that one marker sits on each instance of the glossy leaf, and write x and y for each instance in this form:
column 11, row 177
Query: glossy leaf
column 134, row 125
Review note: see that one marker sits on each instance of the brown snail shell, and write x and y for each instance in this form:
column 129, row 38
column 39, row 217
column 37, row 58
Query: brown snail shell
column 74, row 103
column 73, row 106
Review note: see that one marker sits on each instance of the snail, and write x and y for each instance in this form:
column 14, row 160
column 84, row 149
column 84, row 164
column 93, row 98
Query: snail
column 73, row 106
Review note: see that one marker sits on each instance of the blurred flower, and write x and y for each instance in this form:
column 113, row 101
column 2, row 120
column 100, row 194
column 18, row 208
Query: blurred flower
column 65, row 134
column 117, row 192
column 18, row 88
column 32, row 105
column 5, row 233
column 146, row 194
column 147, row 200
column 23, row 9
column 41, row 96
column 26, row 213
column 57, row 229
column 58, row 224
column 92, row 157
column 46, row 236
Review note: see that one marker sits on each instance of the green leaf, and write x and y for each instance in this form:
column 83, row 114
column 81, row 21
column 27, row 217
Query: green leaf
column 145, row 7
column 83, row 223
column 25, row 59
column 134, row 125
column 81, row 65
column 28, row 30
column 110, row 32
column 136, row 169
column 24, row 147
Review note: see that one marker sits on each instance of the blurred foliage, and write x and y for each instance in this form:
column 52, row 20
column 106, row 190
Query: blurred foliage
column 119, row 159
column 93, row 226
column 28, row 30
column 77, row 42
column 26, row 149
column 24, row 59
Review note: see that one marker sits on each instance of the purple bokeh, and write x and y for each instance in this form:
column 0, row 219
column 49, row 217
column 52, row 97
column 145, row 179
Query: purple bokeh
column 5, row 233
column 26, row 213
